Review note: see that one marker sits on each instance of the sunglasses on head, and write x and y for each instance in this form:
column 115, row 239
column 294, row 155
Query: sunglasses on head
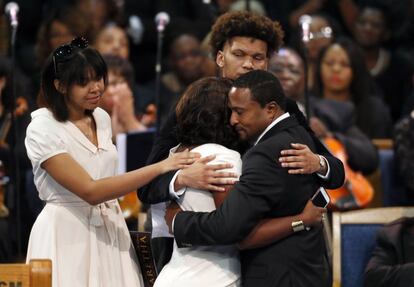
column 63, row 53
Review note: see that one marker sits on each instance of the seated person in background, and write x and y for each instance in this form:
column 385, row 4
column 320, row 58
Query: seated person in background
column 112, row 39
column 186, row 60
column 100, row 12
column 60, row 26
column 342, row 75
column 323, row 30
column 118, row 98
column 391, row 71
column 392, row 262
column 329, row 118
column 404, row 153
column 12, row 146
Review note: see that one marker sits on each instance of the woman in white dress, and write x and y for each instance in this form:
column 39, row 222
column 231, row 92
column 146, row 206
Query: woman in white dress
column 203, row 125
column 81, row 228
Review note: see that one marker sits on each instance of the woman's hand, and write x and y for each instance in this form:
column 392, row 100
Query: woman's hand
column 124, row 108
column 150, row 116
column 312, row 215
column 202, row 175
column 117, row 127
column 178, row 160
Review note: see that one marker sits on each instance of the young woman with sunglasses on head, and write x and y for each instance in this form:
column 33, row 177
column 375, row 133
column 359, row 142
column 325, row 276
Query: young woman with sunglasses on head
column 81, row 228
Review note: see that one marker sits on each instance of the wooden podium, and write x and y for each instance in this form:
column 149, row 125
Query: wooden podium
column 38, row 273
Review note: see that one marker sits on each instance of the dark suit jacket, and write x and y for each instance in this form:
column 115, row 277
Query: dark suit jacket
column 157, row 190
column 392, row 262
column 265, row 190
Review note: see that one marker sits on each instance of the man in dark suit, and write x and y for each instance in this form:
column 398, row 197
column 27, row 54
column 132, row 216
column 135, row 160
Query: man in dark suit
column 242, row 42
column 392, row 262
column 265, row 190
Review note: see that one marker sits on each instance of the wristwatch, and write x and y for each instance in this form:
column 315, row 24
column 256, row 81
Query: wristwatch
column 322, row 162
column 298, row 226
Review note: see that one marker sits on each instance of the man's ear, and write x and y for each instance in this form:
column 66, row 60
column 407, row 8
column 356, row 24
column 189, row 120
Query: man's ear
column 272, row 109
column 220, row 59
column 58, row 86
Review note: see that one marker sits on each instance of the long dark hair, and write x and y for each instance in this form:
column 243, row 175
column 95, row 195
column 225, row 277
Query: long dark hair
column 203, row 115
column 362, row 84
column 81, row 67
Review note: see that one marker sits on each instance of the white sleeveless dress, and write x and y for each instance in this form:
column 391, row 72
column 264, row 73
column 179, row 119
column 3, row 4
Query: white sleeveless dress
column 88, row 245
column 204, row 266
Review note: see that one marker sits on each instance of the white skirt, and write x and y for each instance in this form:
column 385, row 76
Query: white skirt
column 89, row 245
column 201, row 266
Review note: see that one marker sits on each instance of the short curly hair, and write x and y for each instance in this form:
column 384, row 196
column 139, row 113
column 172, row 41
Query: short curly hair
column 203, row 115
column 246, row 24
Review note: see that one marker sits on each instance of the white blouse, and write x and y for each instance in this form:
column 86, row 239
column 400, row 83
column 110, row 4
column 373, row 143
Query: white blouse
column 47, row 137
